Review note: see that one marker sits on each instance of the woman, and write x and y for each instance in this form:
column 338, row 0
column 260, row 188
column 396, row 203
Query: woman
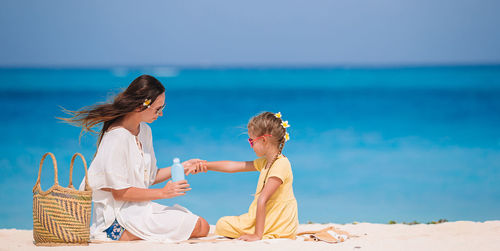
column 124, row 167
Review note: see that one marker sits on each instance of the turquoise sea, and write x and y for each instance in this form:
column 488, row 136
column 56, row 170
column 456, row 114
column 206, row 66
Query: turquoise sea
column 367, row 144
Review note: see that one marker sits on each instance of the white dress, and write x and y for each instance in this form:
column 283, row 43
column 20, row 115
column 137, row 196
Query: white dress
column 118, row 164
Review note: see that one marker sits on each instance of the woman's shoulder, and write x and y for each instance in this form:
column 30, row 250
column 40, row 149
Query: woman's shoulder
column 114, row 142
column 114, row 136
column 117, row 132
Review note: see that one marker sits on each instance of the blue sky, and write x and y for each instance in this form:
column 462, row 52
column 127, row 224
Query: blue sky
column 228, row 32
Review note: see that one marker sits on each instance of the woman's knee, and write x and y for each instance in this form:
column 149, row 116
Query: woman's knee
column 205, row 227
column 201, row 229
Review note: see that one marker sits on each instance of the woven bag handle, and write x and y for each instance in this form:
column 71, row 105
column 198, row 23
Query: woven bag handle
column 40, row 169
column 71, row 171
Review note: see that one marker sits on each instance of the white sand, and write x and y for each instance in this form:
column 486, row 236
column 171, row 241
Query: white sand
column 462, row 235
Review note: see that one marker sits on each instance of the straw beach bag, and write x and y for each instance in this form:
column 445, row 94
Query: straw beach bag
column 61, row 215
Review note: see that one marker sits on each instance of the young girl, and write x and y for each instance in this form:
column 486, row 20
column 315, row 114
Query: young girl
column 273, row 212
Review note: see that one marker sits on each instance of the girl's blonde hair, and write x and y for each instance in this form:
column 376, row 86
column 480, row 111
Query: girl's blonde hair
column 269, row 123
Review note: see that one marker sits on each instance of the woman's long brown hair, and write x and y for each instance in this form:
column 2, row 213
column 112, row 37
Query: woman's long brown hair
column 142, row 88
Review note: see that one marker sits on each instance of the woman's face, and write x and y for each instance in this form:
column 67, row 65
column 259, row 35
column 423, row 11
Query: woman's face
column 152, row 113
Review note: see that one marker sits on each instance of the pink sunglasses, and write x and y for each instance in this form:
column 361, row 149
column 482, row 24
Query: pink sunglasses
column 251, row 141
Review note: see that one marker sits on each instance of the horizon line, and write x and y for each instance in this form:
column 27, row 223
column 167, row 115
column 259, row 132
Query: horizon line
column 255, row 66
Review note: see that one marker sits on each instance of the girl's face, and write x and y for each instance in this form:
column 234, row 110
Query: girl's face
column 258, row 144
column 154, row 111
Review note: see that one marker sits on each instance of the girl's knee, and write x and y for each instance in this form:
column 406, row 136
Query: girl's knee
column 225, row 228
column 221, row 224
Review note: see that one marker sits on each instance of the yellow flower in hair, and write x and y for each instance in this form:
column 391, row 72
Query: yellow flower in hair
column 277, row 115
column 287, row 137
column 285, row 124
column 147, row 102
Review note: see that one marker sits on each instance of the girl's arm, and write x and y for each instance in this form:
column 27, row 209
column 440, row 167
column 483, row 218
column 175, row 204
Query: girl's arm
column 229, row 166
column 170, row 190
column 270, row 188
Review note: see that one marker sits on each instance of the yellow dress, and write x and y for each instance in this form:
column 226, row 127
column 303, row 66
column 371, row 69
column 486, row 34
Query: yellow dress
column 281, row 209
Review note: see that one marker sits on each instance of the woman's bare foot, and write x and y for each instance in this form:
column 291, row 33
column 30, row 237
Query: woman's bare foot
column 127, row 236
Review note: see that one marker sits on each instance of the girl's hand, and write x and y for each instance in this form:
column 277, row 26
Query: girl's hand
column 174, row 189
column 250, row 237
column 194, row 166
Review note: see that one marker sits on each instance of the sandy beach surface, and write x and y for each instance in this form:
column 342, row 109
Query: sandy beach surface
column 460, row 235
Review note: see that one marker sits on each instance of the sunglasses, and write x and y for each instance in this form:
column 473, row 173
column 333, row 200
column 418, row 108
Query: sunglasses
column 251, row 141
column 159, row 110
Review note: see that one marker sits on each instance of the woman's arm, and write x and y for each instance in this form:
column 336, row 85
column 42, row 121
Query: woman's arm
column 170, row 190
column 270, row 188
column 163, row 174
column 229, row 166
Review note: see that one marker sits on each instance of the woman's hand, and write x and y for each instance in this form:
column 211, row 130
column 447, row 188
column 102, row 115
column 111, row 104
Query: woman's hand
column 194, row 166
column 174, row 189
column 250, row 237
